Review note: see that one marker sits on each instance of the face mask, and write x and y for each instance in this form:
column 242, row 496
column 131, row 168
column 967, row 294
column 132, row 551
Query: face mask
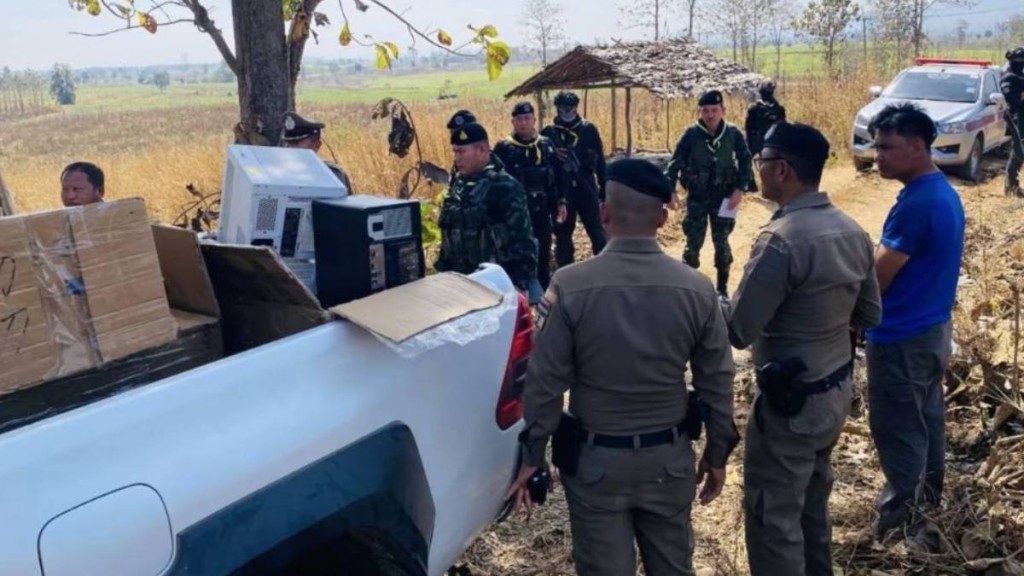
column 567, row 114
column 767, row 95
column 1017, row 67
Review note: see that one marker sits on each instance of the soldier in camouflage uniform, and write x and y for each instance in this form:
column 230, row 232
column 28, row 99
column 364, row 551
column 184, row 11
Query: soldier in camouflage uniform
column 761, row 116
column 1012, row 86
column 484, row 217
column 713, row 163
column 531, row 159
column 582, row 156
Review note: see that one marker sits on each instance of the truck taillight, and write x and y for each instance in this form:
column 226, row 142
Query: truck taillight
column 510, row 400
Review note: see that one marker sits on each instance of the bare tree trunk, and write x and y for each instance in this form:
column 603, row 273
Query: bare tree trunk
column 657, row 19
column 265, row 90
column 689, row 29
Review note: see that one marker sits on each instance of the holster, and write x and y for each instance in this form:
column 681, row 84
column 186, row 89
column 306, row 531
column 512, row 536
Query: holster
column 567, row 444
column 775, row 379
column 697, row 412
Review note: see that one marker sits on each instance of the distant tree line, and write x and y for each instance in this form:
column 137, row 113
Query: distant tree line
column 23, row 93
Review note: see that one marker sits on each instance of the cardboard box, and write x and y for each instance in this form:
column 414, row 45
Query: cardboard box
column 79, row 287
column 197, row 341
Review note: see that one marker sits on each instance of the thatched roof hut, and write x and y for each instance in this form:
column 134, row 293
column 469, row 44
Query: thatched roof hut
column 669, row 69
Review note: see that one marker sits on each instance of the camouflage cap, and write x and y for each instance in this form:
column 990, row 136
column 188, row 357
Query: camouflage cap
column 567, row 98
column 296, row 127
column 469, row 134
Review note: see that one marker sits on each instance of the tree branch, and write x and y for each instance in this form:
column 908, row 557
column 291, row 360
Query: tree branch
column 416, row 31
column 129, row 27
column 206, row 24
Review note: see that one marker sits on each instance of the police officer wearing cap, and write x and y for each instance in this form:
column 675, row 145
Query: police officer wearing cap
column 582, row 155
column 762, row 115
column 619, row 330
column 484, row 217
column 301, row 133
column 531, row 159
column 458, row 120
column 712, row 162
column 810, row 278
column 1011, row 84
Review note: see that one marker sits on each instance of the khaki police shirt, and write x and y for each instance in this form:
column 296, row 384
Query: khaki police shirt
column 810, row 275
column 619, row 330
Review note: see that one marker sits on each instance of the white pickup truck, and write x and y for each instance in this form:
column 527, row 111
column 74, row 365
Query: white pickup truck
column 326, row 452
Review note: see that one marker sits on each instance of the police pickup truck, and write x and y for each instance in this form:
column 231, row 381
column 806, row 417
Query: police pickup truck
column 325, row 452
column 961, row 96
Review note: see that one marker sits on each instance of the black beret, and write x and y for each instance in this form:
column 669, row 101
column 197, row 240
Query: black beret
column 799, row 140
column 461, row 118
column 642, row 176
column 469, row 134
column 521, row 108
column 710, row 98
column 298, row 128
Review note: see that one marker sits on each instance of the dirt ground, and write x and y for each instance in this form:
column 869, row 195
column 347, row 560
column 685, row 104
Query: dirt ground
column 542, row 544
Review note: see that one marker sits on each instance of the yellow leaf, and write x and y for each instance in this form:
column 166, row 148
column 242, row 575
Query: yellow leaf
column 346, row 35
column 93, row 7
column 393, row 47
column 444, row 38
column 499, row 51
column 142, row 16
column 489, row 31
column 493, row 67
column 383, row 58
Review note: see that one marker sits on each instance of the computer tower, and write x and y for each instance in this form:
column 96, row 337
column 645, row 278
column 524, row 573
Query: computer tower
column 266, row 198
column 365, row 244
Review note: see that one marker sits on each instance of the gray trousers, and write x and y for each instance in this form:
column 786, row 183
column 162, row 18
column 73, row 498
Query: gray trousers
column 908, row 419
column 787, row 476
column 620, row 499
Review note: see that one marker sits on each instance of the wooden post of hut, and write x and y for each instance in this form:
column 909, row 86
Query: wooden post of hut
column 541, row 108
column 668, row 124
column 615, row 111
column 586, row 101
column 629, row 122
column 6, row 200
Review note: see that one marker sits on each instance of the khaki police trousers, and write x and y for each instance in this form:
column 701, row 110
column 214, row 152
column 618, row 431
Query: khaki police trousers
column 787, row 475
column 622, row 496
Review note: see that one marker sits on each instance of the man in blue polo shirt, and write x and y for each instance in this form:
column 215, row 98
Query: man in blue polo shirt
column 918, row 264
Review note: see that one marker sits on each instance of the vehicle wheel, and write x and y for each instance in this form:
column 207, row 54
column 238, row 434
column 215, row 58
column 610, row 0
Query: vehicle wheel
column 862, row 165
column 971, row 171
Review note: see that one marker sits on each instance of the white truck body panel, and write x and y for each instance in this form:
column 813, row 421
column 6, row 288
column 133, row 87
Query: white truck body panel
column 211, row 436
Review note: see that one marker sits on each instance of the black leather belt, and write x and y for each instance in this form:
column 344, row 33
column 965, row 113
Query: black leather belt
column 648, row 440
column 827, row 383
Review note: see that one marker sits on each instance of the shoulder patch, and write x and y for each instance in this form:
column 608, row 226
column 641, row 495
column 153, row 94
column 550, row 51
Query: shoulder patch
column 544, row 307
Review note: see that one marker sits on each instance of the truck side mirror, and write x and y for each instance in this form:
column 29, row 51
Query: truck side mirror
column 875, row 91
column 995, row 98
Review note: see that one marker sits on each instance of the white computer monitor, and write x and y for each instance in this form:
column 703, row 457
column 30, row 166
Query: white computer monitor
column 267, row 194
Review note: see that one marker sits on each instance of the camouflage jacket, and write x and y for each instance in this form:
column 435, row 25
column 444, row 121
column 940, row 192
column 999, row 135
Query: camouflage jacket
column 581, row 152
column 536, row 166
column 711, row 164
column 484, row 218
column 761, row 116
column 1011, row 85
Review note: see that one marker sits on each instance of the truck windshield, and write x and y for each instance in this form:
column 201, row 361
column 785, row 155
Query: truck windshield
column 944, row 86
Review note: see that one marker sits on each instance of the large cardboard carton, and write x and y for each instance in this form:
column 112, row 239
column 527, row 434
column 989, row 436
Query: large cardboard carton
column 79, row 287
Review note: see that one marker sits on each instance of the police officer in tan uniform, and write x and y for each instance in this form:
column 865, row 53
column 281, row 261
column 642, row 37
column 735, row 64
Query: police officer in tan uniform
column 810, row 278
column 619, row 331
column 299, row 132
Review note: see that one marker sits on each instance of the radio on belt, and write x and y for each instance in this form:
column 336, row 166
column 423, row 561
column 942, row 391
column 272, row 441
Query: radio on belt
column 365, row 244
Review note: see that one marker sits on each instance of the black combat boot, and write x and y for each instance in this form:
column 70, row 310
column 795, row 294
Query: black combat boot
column 723, row 282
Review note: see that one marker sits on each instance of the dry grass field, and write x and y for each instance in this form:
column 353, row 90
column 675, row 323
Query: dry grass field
column 155, row 153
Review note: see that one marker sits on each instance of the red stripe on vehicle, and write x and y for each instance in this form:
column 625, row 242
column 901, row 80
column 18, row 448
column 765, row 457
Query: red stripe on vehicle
column 981, row 122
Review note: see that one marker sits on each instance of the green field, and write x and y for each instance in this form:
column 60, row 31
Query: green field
column 364, row 87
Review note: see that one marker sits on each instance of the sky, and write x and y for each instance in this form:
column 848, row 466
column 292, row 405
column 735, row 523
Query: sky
column 36, row 33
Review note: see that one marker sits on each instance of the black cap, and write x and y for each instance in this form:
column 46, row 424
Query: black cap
column 710, row 98
column 799, row 140
column 642, row 176
column 566, row 98
column 767, row 85
column 521, row 108
column 298, row 128
column 469, row 134
column 1015, row 55
column 461, row 118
